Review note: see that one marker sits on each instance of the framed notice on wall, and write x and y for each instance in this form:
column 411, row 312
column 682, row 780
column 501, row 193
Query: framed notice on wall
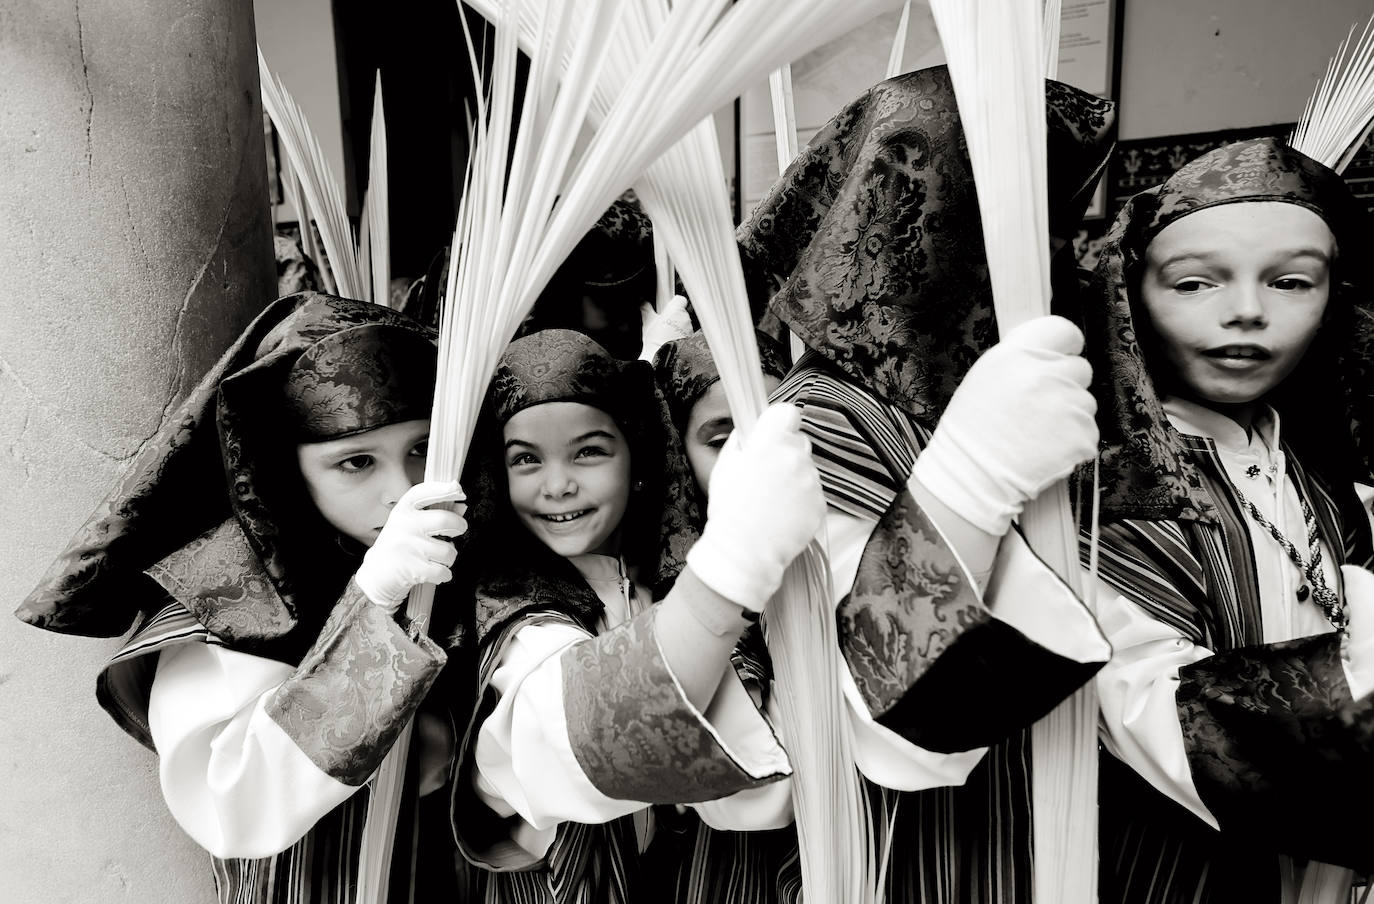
column 1090, row 59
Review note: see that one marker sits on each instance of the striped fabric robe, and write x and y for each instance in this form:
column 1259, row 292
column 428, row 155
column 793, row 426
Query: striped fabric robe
column 1279, row 752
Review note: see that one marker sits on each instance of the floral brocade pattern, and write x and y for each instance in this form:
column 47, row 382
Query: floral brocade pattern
column 355, row 689
column 1260, row 169
column 632, row 731
column 874, row 236
column 910, row 601
column 221, row 581
column 1276, row 744
column 685, row 370
column 564, row 366
column 226, row 432
column 359, row 379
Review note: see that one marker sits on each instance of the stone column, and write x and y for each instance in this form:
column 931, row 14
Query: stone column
column 135, row 243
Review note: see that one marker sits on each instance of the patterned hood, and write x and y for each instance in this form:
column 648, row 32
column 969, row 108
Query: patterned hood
column 310, row 367
column 874, row 237
column 685, row 370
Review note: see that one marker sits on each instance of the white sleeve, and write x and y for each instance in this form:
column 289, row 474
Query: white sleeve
column 1137, row 690
column 232, row 778
column 733, row 713
column 525, row 764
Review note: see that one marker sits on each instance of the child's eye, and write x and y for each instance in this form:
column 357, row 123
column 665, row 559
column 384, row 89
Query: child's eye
column 355, row 463
column 521, row 458
column 1191, row 286
column 420, row 449
column 1292, row 284
column 591, row 452
column 718, row 441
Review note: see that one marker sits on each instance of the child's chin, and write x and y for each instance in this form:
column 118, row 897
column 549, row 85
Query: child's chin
column 567, row 547
column 1231, row 396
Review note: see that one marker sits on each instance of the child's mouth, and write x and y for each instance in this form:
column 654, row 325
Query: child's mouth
column 1238, row 356
column 565, row 517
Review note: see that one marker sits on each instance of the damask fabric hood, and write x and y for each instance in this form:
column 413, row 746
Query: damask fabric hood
column 685, row 370
column 661, row 522
column 223, row 470
column 1326, row 405
column 874, row 236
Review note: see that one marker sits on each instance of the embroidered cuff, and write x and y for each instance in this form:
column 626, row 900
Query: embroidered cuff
column 927, row 655
column 637, row 737
column 356, row 688
column 1279, row 751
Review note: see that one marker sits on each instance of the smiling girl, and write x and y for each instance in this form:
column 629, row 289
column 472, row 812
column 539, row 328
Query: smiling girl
column 1234, row 548
column 271, row 671
column 596, row 701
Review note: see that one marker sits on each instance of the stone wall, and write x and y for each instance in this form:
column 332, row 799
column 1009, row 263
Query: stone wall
column 135, row 243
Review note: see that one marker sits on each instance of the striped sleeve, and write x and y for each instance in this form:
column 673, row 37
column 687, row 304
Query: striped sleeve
column 123, row 685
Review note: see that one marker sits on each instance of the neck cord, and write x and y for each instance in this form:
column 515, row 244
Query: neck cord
column 1330, row 602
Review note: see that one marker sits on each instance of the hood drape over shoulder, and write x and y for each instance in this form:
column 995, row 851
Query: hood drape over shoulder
column 214, row 507
column 874, row 237
column 1327, row 404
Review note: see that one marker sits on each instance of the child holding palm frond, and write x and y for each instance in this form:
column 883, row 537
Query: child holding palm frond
column 1229, row 331
column 267, row 535
column 597, row 702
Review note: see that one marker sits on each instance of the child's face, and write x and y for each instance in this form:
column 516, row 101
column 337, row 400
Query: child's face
column 709, row 425
column 568, row 467
column 355, row 481
column 1236, row 294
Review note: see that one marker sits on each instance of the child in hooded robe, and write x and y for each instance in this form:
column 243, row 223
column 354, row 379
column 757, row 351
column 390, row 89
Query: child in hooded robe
column 708, row 863
column 596, row 701
column 272, row 670
column 930, row 435
column 1234, row 549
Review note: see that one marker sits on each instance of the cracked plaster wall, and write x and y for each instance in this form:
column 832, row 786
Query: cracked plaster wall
column 134, row 244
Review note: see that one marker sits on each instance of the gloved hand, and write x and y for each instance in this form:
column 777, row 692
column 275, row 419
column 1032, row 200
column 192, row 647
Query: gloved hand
column 765, row 506
column 673, row 322
column 413, row 546
column 1021, row 419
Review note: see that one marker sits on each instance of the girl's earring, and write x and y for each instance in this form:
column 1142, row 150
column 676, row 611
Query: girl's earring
column 638, row 485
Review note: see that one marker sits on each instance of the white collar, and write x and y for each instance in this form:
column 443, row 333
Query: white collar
column 1199, row 420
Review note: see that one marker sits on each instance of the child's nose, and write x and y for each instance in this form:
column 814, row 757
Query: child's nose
column 1245, row 307
column 558, row 482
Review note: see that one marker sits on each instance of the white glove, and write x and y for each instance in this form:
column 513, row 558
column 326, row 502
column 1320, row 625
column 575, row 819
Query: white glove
column 1021, row 419
column 659, row 327
column 765, row 506
column 413, row 546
